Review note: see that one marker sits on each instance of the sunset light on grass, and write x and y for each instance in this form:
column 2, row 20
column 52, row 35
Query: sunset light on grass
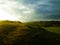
column 29, row 22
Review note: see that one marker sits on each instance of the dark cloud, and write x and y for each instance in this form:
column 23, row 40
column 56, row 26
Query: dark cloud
column 48, row 9
column 53, row 17
column 37, row 9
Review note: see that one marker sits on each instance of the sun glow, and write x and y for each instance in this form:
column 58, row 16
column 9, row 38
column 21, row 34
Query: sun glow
column 6, row 16
column 5, row 8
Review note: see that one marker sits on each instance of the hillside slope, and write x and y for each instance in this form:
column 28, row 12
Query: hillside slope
column 14, row 33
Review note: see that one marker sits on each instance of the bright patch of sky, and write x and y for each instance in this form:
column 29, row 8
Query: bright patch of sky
column 32, row 10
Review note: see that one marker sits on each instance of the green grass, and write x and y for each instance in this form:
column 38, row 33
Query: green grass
column 53, row 29
column 17, row 33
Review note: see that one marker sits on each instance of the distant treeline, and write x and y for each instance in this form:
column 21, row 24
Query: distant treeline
column 46, row 23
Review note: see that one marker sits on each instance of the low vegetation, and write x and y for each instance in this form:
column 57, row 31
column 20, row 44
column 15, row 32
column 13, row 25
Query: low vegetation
column 45, row 23
column 17, row 33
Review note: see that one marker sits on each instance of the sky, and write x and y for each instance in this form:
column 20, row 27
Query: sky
column 30, row 10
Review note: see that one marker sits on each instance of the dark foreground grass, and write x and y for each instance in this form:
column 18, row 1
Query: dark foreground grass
column 17, row 33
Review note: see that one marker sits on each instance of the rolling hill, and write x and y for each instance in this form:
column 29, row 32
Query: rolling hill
column 18, row 33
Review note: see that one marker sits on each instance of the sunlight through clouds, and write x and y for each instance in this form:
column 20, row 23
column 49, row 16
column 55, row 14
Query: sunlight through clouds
column 12, row 6
column 6, row 16
column 30, row 10
column 17, row 9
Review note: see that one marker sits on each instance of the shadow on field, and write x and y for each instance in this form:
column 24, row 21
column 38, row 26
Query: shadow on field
column 20, row 34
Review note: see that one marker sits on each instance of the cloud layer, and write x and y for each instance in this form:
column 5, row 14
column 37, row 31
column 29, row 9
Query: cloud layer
column 32, row 10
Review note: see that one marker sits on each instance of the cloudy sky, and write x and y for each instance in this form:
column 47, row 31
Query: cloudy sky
column 30, row 10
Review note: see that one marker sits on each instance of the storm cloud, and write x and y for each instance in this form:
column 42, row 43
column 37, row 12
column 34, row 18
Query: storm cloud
column 33, row 10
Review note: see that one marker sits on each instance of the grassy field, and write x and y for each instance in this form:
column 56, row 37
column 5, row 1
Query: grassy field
column 18, row 33
column 53, row 29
